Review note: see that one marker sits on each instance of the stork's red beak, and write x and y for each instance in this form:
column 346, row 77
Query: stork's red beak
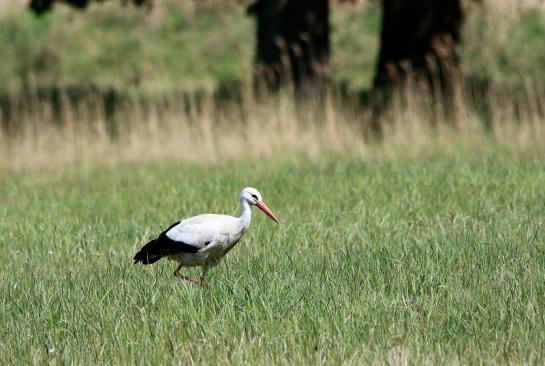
column 263, row 207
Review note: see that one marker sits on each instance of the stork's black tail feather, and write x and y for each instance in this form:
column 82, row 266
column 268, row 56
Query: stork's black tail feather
column 148, row 254
column 161, row 247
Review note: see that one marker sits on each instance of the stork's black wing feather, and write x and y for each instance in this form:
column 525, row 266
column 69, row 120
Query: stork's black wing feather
column 161, row 247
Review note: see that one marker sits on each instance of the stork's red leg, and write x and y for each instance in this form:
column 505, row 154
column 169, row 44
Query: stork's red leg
column 192, row 280
column 187, row 278
column 177, row 271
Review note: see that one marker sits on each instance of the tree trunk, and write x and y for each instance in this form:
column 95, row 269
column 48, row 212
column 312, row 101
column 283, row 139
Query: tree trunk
column 419, row 40
column 292, row 42
column 43, row 6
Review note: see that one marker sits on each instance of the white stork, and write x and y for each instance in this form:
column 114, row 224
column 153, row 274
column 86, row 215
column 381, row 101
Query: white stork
column 203, row 240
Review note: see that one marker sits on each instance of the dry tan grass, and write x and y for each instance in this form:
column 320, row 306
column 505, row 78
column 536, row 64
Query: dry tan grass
column 211, row 134
column 275, row 126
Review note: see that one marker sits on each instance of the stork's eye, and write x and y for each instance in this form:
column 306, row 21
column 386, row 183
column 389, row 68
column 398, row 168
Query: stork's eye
column 254, row 196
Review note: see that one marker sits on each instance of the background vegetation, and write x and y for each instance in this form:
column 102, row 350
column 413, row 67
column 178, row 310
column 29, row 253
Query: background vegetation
column 179, row 44
column 420, row 243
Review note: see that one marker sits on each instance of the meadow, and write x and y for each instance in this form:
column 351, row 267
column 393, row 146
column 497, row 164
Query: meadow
column 438, row 259
column 422, row 242
column 422, row 245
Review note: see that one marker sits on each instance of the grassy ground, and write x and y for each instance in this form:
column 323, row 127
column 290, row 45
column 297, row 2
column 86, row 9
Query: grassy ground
column 183, row 43
column 438, row 259
column 425, row 245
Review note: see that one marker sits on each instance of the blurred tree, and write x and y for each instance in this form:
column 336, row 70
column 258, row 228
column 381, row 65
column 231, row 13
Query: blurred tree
column 419, row 40
column 292, row 42
column 43, row 6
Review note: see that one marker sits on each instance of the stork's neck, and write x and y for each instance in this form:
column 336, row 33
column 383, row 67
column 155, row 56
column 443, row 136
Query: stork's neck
column 245, row 213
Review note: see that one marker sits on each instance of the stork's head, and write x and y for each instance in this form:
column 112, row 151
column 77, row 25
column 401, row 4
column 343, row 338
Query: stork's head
column 253, row 197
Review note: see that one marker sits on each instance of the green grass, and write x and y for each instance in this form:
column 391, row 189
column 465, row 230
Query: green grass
column 111, row 44
column 438, row 259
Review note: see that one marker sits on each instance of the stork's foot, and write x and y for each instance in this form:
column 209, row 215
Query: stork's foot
column 192, row 280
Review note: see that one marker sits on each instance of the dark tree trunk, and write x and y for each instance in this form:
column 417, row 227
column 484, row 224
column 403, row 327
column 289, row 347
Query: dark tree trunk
column 419, row 40
column 43, row 6
column 292, row 42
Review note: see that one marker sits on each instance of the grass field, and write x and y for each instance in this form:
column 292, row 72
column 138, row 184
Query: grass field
column 436, row 259
column 423, row 243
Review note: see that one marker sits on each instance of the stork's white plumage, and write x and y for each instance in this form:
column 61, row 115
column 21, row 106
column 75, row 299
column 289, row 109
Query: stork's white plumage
column 203, row 240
